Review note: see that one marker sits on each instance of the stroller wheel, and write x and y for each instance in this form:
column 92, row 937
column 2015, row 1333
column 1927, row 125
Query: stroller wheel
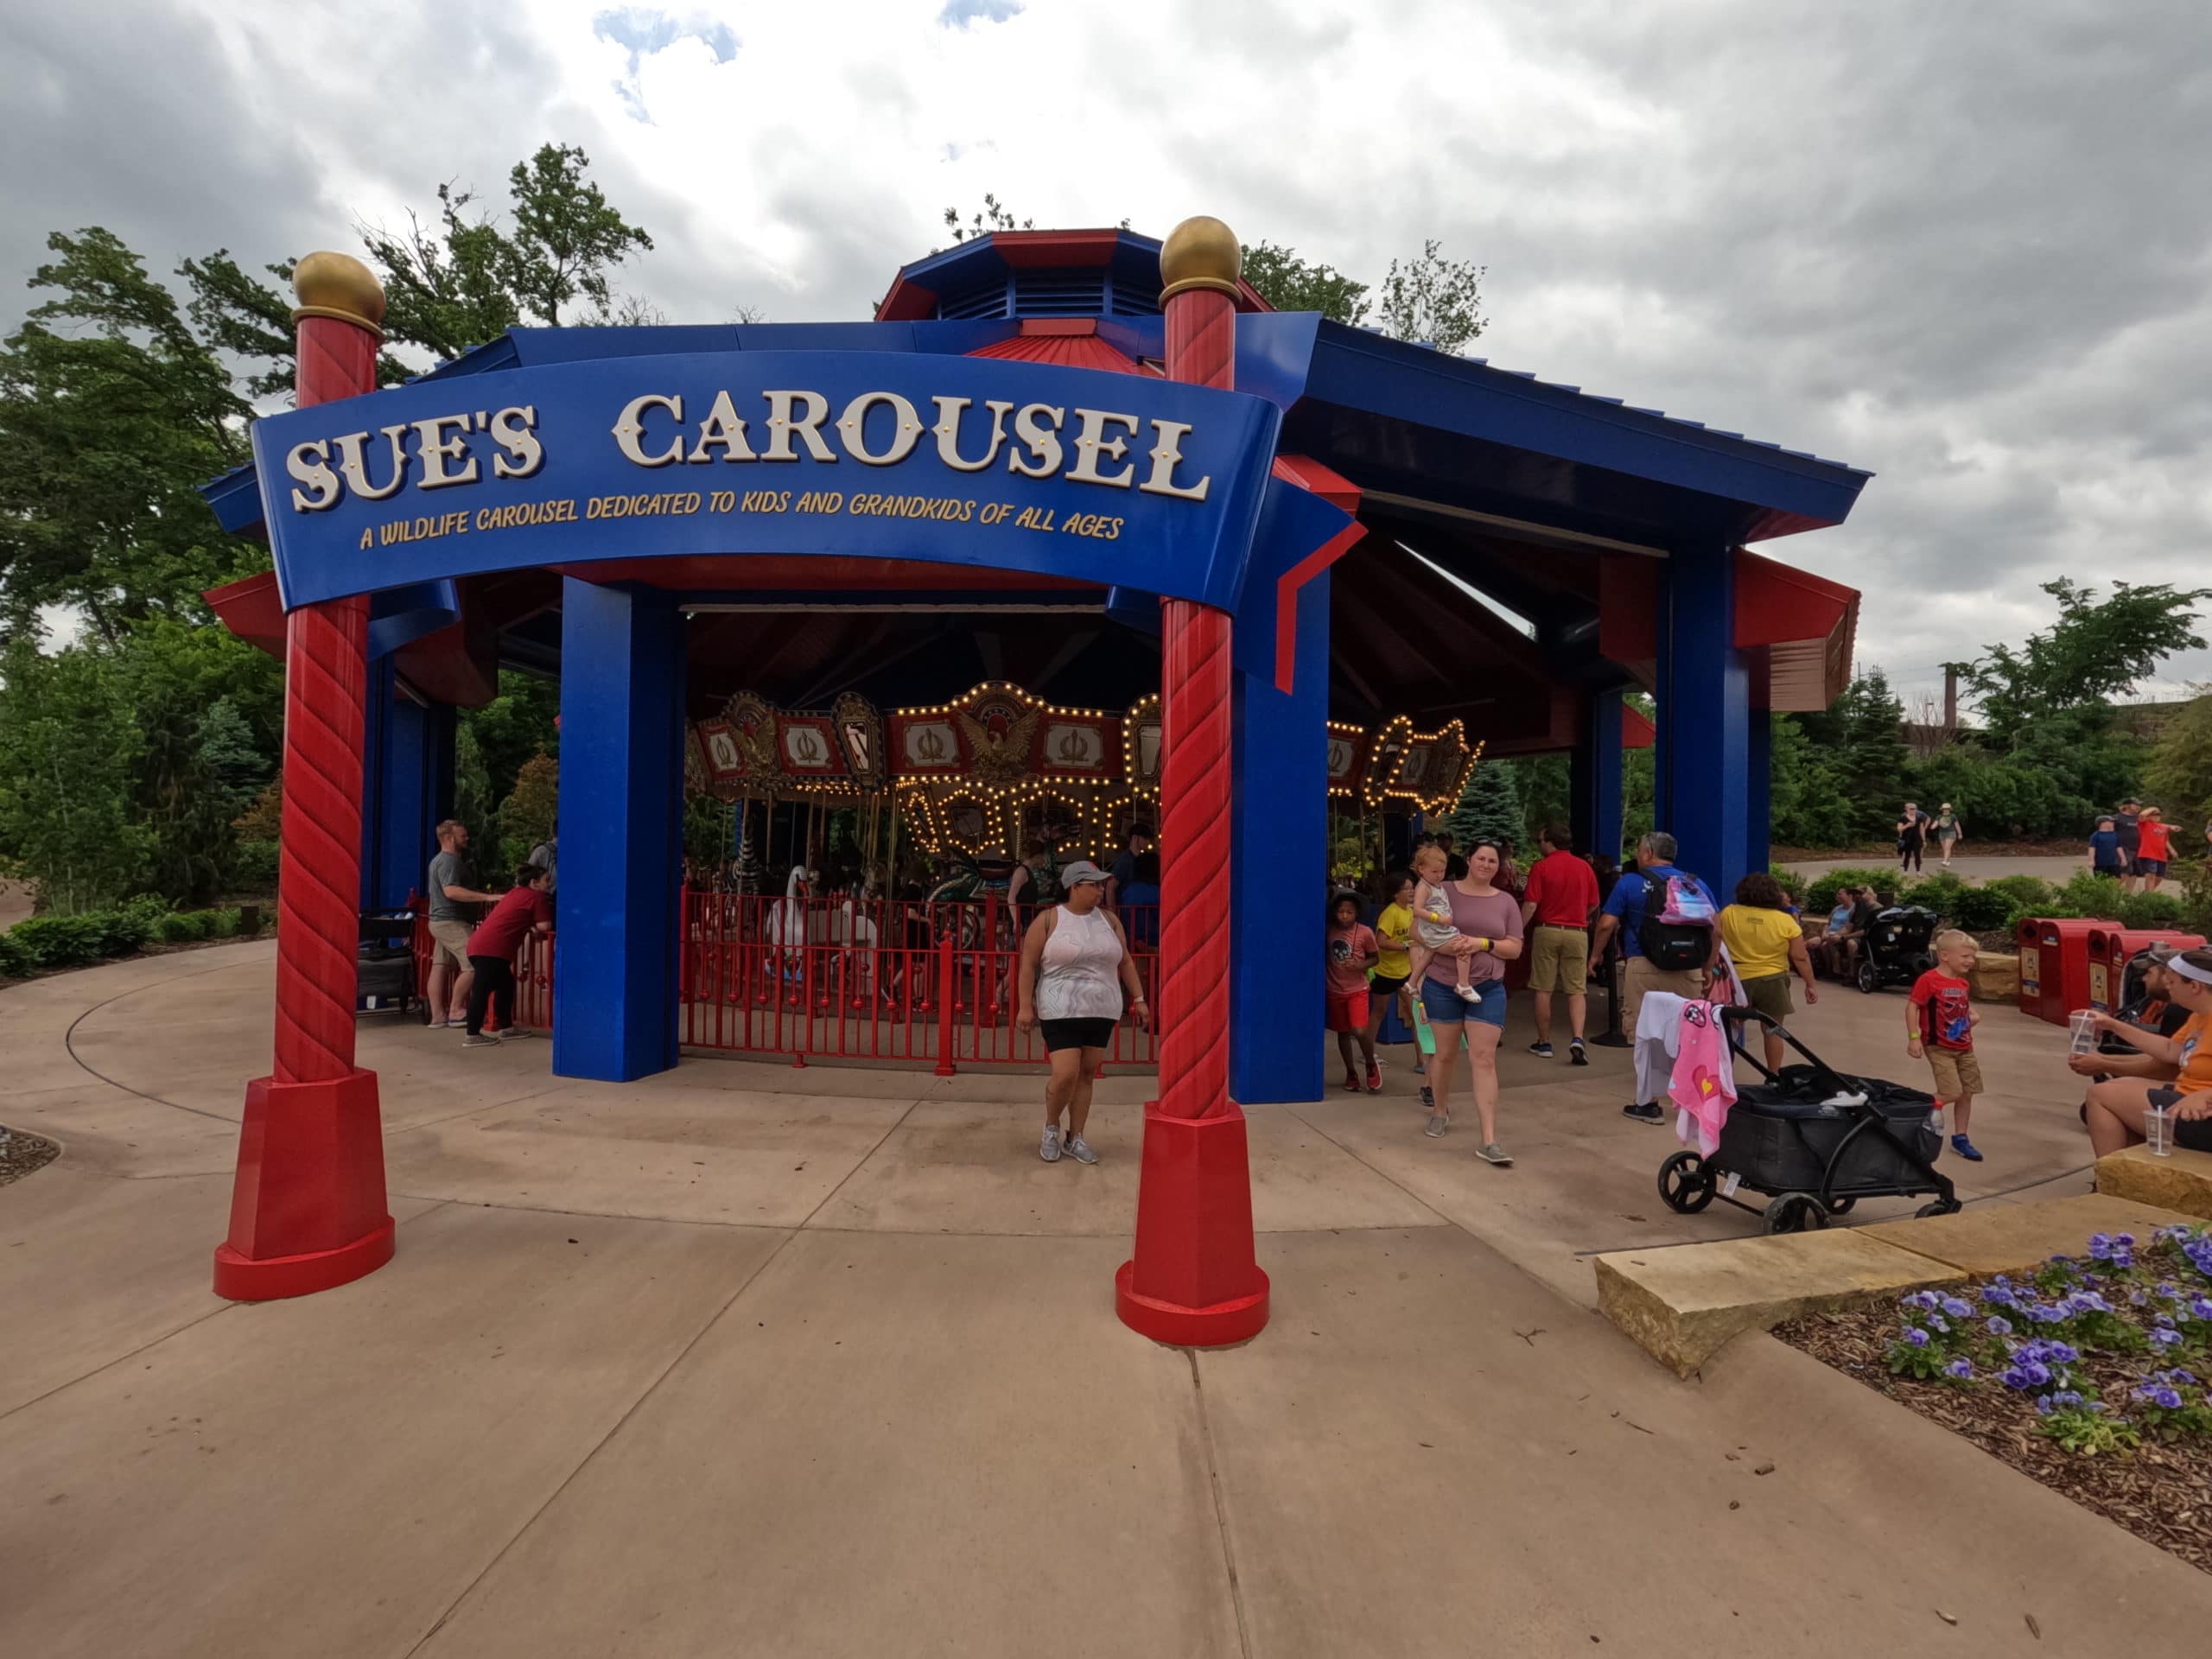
column 1685, row 1184
column 1795, row 1213
column 1870, row 977
column 1939, row 1208
column 1841, row 1206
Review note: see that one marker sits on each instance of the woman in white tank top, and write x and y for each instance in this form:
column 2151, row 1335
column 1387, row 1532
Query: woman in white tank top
column 1075, row 970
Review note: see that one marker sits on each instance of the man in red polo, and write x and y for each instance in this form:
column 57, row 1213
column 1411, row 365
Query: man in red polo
column 1555, row 910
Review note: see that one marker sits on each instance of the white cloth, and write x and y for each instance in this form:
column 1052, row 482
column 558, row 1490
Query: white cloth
column 1658, row 1039
column 1079, row 973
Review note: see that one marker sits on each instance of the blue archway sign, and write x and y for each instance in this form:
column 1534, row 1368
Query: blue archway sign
column 1116, row 478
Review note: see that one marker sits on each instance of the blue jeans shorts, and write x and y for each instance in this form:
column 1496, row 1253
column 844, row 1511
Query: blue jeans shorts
column 2150, row 866
column 1445, row 1007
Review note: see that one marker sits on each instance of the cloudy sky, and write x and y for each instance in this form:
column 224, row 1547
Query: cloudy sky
column 1967, row 247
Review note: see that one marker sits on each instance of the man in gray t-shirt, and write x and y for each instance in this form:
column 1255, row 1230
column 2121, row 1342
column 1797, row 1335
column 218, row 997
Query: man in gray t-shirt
column 451, row 975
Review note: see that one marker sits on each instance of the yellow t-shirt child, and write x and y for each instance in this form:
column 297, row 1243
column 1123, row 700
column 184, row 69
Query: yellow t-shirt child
column 1394, row 930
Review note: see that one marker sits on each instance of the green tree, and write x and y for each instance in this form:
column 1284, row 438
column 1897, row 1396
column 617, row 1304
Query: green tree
column 509, row 730
column 2180, row 771
column 1290, row 283
column 1861, row 738
column 526, row 817
column 113, row 412
column 1490, row 807
column 68, row 750
column 1434, row 300
column 2097, row 648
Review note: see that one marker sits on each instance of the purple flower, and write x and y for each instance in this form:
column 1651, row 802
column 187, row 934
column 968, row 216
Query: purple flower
column 1957, row 1309
column 2047, row 1313
column 1962, row 1366
column 2166, row 1339
column 2086, row 1301
column 1999, row 1326
column 2100, row 1247
column 2161, row 1396
column 1935, row 1323
column 2000, row 1294
column 2200, row 1307
column 1916, row 1336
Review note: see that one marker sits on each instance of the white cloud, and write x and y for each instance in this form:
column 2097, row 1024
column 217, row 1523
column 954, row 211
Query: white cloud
column 1964, row 249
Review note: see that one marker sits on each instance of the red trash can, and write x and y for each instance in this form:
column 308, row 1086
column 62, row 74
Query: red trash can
column 2055, row 965
column 2111, row 950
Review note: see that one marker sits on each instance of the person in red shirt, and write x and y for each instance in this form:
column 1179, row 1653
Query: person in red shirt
column 1351, row 952
column 2153, row 846
column 1939, row 1022
column 1555, row 910
column 524, row 909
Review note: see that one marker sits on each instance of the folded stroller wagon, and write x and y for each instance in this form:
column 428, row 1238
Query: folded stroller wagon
column 1814, row 1141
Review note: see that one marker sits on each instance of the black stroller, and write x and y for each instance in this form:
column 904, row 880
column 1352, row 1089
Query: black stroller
column 1898, row 947
column 1814, row 1141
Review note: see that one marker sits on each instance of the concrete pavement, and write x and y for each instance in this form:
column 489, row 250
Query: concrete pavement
column 748, row 1359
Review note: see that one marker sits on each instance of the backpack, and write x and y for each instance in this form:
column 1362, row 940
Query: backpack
column 1675, row 933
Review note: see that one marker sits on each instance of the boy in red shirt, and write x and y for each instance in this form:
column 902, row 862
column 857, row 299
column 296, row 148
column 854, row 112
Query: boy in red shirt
column 1351, row 952
column 524, row 909
column 1939, row 1021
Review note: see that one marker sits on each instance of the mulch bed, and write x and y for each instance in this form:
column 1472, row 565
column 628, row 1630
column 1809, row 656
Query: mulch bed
column 21, row 1152
column 2162, row 1493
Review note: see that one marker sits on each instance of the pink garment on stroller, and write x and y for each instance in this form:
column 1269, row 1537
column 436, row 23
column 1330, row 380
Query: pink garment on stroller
column 1704, row 1082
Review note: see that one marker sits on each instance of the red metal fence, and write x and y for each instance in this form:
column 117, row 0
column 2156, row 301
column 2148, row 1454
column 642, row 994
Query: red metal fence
column 836, row 978
column 875, row 979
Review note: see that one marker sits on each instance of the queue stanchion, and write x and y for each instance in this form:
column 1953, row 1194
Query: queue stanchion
column 1612, row 1036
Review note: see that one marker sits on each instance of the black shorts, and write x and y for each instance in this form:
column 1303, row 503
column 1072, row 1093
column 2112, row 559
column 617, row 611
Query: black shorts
column 2192, row 1135
column 1381, row 987
column 1077, row 1034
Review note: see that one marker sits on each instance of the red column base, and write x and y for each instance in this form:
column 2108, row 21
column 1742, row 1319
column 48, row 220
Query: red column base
column 308, row 1211
column 1193, row 1280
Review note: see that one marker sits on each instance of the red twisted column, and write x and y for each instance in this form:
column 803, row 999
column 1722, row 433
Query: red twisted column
column 1194, row 1279
column 307, row 1207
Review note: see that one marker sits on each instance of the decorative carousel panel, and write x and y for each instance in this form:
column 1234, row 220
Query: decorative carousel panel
column 1426, row 769
column 1142, row 749
column 751, row 720
column 808, row 747
column 928, row 745
column 860, row 729
column 1349, row 748
column 725, row 759
column 1081, row 744
column 999, row 723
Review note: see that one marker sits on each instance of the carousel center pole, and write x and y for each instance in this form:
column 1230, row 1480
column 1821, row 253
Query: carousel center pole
column 307, row 1209
column 1194, row 1279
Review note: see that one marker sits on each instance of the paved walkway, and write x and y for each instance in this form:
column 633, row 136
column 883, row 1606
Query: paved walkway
column 2057, row 871
column 825, row 1362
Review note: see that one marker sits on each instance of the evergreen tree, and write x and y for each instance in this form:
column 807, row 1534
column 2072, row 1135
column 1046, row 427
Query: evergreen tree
column 1488, row 808
column 2180, row 773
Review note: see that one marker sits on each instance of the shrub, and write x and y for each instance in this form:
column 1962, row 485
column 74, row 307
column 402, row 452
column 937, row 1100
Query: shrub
column 1790, row 882
column 253, row 865
column 2151, row 910
column 222, row 924
column 1981, row 910
column 62, row 941
column 186, row 926
column 1820, row 898
column 1939, row 893
column 15, row 960
column 2092, row 895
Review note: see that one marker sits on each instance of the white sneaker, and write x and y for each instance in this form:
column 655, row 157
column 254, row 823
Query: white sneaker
column 1049, row 1147
column 1079, row 1149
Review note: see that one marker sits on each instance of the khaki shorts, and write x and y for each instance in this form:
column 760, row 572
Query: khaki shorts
column 1769, row 995
column 449, row 942
column 1957, row 1071
column 1638, row 976
column 1558, row 959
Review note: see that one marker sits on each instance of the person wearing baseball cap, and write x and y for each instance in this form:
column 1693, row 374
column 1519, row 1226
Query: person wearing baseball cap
column 1075, row 978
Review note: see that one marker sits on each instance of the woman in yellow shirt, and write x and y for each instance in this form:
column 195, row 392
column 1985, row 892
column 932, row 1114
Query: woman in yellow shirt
column 1394, row 931
column 1767, row 946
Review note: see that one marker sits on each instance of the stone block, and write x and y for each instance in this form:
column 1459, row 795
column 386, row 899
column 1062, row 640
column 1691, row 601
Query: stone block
column 2182, row 1182
column 1996, row 979
column 1988, row 1239
column 1681, row 1304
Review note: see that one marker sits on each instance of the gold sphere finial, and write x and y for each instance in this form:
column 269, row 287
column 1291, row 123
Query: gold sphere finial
column 1200, row 252
column 337, row 285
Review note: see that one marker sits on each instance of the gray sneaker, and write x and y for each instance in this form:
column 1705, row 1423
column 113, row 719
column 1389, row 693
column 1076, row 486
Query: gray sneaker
column 1437, row 1124
column 1079, row 1149
column 482, row 1039
column 1491, row 1152
column 508, row 1033
column 1049, row 1147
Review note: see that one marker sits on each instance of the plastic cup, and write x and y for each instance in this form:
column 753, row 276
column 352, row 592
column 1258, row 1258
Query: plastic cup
column 2082, row 1025
column 2157, row 1124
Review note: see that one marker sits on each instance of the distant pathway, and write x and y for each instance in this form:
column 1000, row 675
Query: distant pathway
column 2058, row 870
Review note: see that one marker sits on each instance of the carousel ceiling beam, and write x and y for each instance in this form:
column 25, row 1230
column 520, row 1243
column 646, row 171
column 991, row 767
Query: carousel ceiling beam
column 839, row 677
column 1069, row 648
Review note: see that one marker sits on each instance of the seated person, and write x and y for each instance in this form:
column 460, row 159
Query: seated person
column 1839, row 947
column 2116, row 1107
column 2155, row 1010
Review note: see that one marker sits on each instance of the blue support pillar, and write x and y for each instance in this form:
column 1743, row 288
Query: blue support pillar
column 1702, row 785
column 407, row 786
column 1279, row 860
column 1758, row 796
column 622, row 684
column 1594, row 777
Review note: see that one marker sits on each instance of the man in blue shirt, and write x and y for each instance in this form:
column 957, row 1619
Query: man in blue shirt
column 1624, row 914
